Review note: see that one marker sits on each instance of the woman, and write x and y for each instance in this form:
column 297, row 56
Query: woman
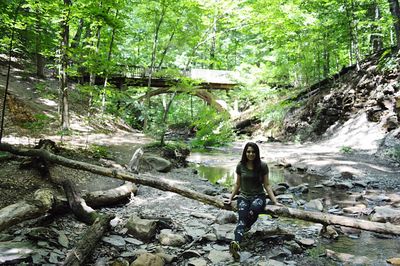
column 251, row 184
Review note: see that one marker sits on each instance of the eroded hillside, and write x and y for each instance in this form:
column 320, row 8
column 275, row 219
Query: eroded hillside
column 353, row 103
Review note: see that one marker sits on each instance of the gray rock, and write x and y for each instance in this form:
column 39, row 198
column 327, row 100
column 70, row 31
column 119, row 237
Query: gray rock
column 306, row 242
column 114, row 240
column 14, row 251
column 285, row 198
column 271, row 263
column 348, row 259
column 302, row 188
column 315, row 204
column 224, row 232
column 386, row 214
column 279, row 189
column 195, row 232
column 279, row 252
column 148, row 259
column 197, row 262
column 142, row 229
column 226, row 217
column 216, row 256
column 294, row 247
column 157, row 163
column 344, row 185
column 168, row 238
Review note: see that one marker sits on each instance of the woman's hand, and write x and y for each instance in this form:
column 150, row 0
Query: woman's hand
column 278, row 204
column 227, row 201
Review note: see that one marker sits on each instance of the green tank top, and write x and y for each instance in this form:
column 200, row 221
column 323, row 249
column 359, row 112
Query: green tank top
column 251, row 183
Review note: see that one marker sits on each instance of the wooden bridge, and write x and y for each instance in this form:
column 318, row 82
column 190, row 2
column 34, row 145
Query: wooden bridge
column 162, row 78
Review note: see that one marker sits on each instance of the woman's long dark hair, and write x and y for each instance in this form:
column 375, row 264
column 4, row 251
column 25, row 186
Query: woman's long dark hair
column 257, row 159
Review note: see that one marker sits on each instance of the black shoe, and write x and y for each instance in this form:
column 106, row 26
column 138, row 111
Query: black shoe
column 234, row 249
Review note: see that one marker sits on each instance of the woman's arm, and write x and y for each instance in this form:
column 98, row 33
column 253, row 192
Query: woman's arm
column 268, row 188
column 235, row 190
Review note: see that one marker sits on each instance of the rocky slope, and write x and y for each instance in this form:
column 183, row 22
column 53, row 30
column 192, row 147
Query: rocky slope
column 358, row 108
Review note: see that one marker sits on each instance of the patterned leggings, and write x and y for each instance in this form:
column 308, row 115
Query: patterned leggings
column 248, row 210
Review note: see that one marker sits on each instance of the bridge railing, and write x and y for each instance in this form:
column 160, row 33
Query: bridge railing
column 208, row 75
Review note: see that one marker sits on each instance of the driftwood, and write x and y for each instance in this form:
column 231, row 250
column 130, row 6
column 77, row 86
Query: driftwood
column 89, row 240
column 110, row 197
column 148, row 180
column 100, row 223
column 46, row 201
column 25, row 210
column 78, row 205
column 327, row 219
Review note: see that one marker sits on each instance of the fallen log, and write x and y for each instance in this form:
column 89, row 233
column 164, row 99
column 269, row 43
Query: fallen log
column 110, row 197
column 25, row 210
column 88, row 242
column 78, row 205
column 100, row 223
column 158, row 183
column 330, row 219
column 46, row 201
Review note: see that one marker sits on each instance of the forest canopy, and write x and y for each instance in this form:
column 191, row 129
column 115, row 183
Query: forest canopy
column 290, row 44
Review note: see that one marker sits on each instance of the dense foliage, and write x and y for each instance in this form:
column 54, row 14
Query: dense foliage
column 273, row 44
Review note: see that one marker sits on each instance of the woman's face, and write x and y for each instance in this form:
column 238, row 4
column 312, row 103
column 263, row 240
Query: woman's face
column 250, row 153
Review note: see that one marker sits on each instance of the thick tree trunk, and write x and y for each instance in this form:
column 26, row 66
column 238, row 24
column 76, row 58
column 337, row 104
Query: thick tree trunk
column 155, row 182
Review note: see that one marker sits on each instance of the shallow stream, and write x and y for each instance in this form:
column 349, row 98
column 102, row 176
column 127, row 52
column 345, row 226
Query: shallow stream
column 219, row 168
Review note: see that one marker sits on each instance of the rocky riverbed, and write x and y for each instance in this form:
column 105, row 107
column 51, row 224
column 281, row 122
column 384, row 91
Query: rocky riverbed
column 186, row 232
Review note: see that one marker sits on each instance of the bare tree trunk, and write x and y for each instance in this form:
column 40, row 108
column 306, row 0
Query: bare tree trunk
column 103, row 96
column 92, row 75
column 213, row 42
column 38, row 37
column 326, row 57
column 77, row 38
column 8, row 70
column 395, row 11
column 165, row 117
column 376, row 39
column 168, row 45
column 354, row 36
column 64, row 65
column 152, row 63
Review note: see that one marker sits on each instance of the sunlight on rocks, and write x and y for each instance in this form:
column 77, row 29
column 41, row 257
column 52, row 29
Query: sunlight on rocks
column 357, row 133
column 172, row 182
column 47, row 102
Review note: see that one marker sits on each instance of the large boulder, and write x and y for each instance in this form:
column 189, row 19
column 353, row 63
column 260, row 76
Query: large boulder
column 156, row 162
